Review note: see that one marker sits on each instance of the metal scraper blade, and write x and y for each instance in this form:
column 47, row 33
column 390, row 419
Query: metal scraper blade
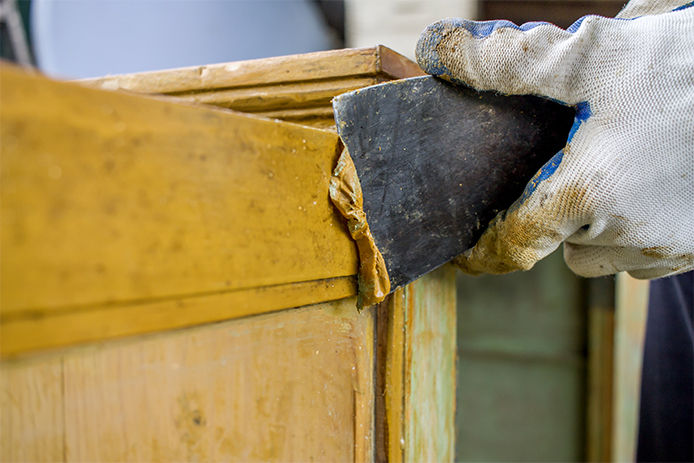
column 437, row 161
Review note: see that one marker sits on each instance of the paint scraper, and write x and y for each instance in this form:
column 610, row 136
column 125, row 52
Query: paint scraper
column 427, row 164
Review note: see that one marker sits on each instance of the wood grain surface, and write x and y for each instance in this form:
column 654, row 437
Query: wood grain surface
column 295, row 88
column 415, row 407
column 289, row 386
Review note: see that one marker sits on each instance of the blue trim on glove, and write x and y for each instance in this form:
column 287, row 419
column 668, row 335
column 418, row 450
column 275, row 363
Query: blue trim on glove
column 481, row 29
column 428, row 58
column 583, row 112
column 543, row 174
column 684, row 7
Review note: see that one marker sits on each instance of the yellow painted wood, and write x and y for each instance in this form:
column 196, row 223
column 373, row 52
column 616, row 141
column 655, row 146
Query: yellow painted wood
column 113, row 198
column 290, row 386
column 114, row 205
column 24, row 335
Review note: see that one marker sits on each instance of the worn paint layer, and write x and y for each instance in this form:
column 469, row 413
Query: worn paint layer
column 346, row 195
column 289, row 386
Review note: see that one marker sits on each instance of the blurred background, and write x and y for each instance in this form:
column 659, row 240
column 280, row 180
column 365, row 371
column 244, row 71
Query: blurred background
column 90, row 38
column 526, row 342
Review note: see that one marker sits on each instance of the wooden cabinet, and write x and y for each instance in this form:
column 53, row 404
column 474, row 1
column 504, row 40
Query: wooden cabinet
column 176, row 286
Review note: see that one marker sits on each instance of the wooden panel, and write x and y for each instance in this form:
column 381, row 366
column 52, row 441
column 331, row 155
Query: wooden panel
column 290, row 386
column 113, row 198
column 296, row 88
column 630, row 330
column 31, row 411
column 416, row 403
column 126, row 215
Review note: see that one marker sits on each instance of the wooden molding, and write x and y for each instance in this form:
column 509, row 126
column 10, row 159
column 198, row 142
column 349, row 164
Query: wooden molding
column 295, row 88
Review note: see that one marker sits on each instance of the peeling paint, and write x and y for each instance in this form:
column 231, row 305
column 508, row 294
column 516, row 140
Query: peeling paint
column 346, row 195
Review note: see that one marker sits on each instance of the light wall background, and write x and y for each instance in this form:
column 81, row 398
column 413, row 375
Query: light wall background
column 398, row 23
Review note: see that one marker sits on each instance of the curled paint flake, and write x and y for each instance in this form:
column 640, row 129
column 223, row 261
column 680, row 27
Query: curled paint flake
column 346, row 195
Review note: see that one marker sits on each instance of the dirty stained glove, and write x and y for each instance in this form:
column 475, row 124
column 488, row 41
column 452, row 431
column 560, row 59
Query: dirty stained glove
column 620, row 195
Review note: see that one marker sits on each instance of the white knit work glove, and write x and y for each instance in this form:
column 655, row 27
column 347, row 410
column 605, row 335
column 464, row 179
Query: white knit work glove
column 620, row 195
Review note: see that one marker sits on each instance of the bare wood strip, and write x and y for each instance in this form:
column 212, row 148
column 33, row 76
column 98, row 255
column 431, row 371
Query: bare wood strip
column 299, row 113
column 631, row 312
column 292, row 68
column 364, row 391
column 280, row 96
column 600, row 406
column 416, row 382
column 391, row 326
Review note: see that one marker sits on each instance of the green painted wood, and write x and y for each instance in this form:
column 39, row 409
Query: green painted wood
column 430, row 368
column 522, row 365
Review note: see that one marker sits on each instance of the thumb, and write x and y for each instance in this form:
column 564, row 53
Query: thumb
column 535, row 58
column 531, row 229
column 514, row 240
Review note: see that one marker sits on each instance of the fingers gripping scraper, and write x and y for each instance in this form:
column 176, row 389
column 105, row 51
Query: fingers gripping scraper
column 427, row 164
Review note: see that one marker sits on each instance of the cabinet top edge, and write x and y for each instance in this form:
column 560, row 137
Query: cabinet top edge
column 331, row 64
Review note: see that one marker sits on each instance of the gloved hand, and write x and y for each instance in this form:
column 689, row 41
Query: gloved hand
column 620, row 195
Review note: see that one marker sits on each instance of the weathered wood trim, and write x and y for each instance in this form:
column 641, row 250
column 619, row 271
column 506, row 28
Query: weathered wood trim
column 416, row 409
column 333, row 64
column 430, row 359
column 296, row 88
column 26, row 333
